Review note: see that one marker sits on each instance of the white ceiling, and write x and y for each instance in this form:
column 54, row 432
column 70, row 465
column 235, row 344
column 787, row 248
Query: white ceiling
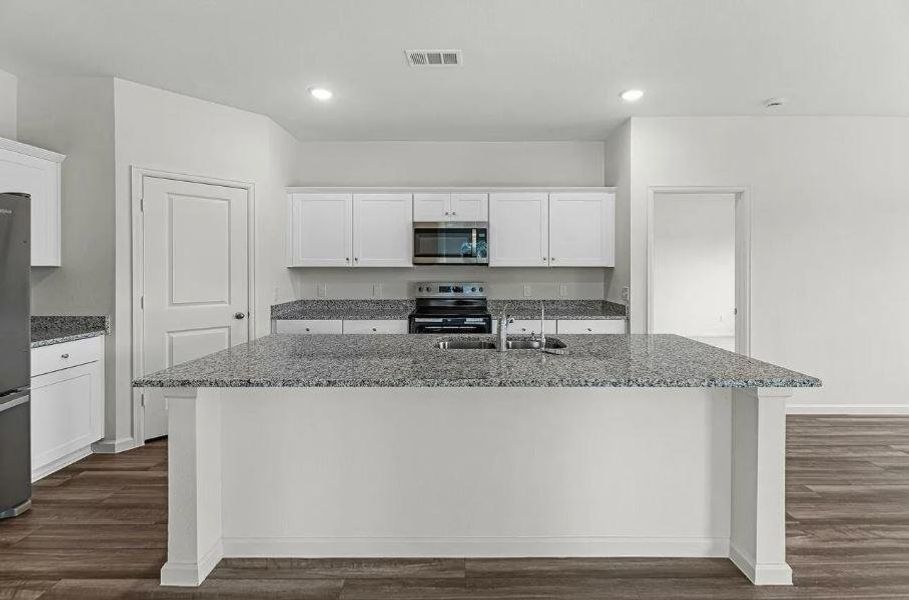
column 533, row 69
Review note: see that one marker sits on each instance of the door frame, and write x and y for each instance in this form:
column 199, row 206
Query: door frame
column 137, row 180
column 743, row 200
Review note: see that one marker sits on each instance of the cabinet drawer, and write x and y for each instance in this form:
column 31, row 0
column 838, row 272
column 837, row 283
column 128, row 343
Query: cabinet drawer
column 46, row 359
column 592, row 326
column 378, row 326
column 526, row 326
column 308, row 326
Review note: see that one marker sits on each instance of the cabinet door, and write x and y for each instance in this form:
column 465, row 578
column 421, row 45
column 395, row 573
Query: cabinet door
column 518, row 229
column 469, row 207
column 582, row 229
column 383, row 230
column 431, row 208
column 39, row 178
column 67, row 414
column 320, row 230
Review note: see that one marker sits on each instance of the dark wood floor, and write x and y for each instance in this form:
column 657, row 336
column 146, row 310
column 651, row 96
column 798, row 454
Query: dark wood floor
column 98, row 531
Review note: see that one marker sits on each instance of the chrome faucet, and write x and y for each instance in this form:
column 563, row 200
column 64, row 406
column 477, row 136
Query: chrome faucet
column 504, row 320
column 542, row 325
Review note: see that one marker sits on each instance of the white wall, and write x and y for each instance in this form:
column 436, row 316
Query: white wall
column 694, row 264
column 618, row 174
column 449, row 164
column 171, row 132
column 829, row 249
column 8, row 104
column 75, row 116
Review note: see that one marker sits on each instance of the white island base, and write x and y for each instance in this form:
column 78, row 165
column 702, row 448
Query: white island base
column 476, row 472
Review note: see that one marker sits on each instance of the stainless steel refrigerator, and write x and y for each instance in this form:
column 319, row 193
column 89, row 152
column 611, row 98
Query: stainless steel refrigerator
column 15, row 352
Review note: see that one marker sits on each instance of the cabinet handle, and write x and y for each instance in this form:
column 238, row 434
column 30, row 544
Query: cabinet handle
column 453, row 213
column 356, row 259
column 589, row 329
column 307, row 329
column 64, row 356
column 552, row 259
column 446, row 213
column 544, row 259
column 347, row 258
column 374, row 329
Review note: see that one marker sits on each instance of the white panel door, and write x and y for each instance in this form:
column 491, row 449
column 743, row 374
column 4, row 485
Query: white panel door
column 320, row 233
column 582, row 229
column 383, row 230
column 196, row 278
column 39, row 178
column 433, row 208
column 518, row 229
column 469, row 207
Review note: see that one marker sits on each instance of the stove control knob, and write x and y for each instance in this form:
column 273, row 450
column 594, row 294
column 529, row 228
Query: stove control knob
column 473, row 289
column 481, row 289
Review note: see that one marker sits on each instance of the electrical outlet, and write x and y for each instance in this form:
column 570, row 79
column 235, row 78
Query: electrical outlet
column 626, row 294
column 377, row 290
column 527, row 291
column 563, row 291
column 321, row 290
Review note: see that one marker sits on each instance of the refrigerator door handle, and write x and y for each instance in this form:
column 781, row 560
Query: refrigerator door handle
column 13, row 400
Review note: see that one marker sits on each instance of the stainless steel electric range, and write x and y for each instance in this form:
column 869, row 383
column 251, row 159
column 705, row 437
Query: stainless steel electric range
column 449, row 307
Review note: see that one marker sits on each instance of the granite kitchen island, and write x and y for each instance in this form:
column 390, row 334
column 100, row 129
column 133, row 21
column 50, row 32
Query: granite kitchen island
column 388, row 446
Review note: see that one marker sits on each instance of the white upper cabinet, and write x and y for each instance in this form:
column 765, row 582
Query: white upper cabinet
column 383, row 230
column 458, row 206
column 36, row 172
column 582, row 229
column 469, row 207
column 320, row 230
column 518, row 229
column 433, row 207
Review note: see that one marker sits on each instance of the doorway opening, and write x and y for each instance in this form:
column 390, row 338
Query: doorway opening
column 698, row 264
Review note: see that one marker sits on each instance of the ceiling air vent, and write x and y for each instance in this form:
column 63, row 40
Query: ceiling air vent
column 434, row 58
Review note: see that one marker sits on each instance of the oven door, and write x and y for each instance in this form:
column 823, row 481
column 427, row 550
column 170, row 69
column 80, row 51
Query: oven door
column 450, row 243
column 450, row 325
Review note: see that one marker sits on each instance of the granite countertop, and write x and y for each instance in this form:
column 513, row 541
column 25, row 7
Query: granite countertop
column 321, row 309
column 559, row 309
column 288, row 360
column 47, row 330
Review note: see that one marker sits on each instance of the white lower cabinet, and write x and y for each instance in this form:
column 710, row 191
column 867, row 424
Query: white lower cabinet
column 67, row 403
column 526, row 326
column 592, row 326
column 309, row 326
column 378, row 326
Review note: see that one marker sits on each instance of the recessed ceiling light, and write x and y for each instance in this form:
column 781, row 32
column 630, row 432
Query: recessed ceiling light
column 774, row 102
column 320, row 93
column 631, row 95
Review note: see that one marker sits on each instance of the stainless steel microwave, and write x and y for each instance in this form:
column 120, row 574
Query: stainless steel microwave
column 450, row 242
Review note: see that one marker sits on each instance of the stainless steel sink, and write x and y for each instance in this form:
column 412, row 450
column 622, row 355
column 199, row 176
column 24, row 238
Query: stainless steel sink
column 512, row 344
column 467, row 345
column 532, row 344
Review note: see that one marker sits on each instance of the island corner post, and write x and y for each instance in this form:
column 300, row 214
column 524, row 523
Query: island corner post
column 257, row 472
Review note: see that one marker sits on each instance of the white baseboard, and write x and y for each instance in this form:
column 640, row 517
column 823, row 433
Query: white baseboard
column 764, row 574
column 114, row 446
column 474, row 547
column 847, row 409
column 63, row 461
column 192, row 574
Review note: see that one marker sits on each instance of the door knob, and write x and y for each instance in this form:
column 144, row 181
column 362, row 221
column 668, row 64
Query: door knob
column 239, row 315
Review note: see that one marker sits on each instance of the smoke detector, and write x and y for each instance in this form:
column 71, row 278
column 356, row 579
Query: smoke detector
column 434, row 58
